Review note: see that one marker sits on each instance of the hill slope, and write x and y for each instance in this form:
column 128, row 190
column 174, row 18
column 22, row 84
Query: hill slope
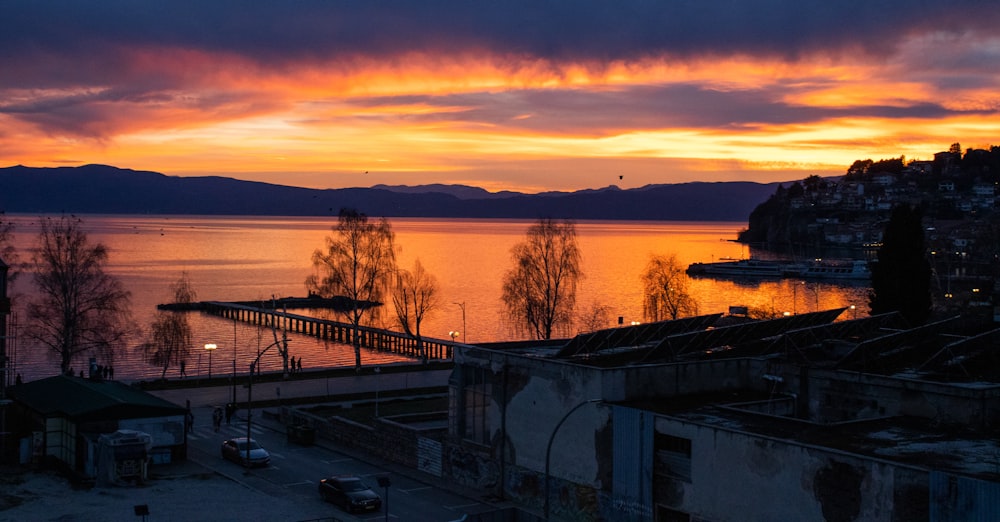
column 101, row 189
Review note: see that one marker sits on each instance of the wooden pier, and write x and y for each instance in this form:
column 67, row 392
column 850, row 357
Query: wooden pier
column 327, row 330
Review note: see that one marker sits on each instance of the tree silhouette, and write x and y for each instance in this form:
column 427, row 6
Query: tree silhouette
column 666, row 294
column 8, row 254
column 539, row 293
column 358, row 263
column 170, row 336
column 901, row 276
column 414, row 297
column 78, row 309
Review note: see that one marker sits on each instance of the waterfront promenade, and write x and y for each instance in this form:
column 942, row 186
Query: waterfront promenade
column 316, row 386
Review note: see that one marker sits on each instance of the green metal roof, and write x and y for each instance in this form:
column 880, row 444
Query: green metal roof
column 94, row 399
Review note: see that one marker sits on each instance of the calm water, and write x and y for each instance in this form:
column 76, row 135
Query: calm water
column 253, row 258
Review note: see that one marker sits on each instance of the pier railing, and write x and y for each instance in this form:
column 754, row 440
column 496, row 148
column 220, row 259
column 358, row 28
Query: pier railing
column 328, row 330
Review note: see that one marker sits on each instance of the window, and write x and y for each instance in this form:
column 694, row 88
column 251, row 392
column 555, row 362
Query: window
column 673, row 456
column 475, row 393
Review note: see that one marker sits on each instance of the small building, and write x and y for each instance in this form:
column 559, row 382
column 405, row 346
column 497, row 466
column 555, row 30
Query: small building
column 62, row 418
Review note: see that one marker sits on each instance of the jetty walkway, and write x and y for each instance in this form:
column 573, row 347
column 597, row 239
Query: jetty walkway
column 328, row 330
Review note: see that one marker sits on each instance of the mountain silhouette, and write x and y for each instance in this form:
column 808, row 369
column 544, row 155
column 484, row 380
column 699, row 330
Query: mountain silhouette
column 102, row 189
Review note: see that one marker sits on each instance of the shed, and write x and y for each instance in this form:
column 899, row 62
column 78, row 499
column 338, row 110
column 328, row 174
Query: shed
column 64, row 417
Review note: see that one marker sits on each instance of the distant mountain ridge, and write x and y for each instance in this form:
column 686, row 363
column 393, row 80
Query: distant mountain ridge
column 102, row 189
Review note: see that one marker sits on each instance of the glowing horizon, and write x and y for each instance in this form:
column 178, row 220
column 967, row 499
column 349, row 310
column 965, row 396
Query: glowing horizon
column 492, row 108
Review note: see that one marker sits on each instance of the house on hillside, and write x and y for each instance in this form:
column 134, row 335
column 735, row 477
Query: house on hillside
column 64, row 417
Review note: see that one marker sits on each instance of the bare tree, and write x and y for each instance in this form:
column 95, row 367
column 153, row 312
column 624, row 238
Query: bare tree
column 666, row 294
column 415, row 296
column 170, row 336
column 358, row 263
column 8, row 254
column 78, row 309
column 539, row 293
column 597, row 317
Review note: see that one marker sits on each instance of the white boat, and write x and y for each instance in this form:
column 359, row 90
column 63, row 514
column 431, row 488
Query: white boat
column 740, row 268
column 819, row 269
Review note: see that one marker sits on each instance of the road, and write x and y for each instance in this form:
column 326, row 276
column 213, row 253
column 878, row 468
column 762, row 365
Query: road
column 295, row 472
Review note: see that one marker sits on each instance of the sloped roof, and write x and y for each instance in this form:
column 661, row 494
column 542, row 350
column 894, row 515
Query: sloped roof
column 76, row 397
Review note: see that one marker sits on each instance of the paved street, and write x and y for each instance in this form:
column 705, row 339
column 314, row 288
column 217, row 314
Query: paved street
column 295, row 470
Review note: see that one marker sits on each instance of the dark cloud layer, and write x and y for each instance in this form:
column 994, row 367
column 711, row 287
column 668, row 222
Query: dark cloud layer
column 571, row 112
column 568, row 30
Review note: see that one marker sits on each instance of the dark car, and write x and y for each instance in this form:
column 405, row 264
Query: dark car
column 350, row 493
column 236, row 451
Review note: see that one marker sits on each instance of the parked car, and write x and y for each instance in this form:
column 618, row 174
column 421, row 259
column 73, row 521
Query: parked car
column 350, row 493
column 236, row 451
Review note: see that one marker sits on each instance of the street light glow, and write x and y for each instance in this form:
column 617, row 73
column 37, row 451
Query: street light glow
column 211, row 348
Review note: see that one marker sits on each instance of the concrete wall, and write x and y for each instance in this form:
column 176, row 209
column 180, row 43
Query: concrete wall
column 836, row 396
column 780, row 480
column 389, row 440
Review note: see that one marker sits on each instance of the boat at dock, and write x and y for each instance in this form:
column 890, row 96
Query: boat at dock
column 817, row 269
column 739, row 268
column 852, row 270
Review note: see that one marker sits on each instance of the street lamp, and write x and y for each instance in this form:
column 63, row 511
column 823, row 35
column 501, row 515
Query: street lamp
column 462, row 306
column 453, row 334
column 211, row 348
column 250, row 393
column 548, row 449
column 378, row 372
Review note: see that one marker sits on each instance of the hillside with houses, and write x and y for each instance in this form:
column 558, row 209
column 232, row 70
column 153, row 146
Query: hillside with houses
column 956, row 192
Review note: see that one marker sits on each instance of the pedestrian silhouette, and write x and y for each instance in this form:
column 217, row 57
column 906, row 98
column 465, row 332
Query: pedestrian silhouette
column 183, row 370
column 217, row 418
column 300, row 364
column 292, row 365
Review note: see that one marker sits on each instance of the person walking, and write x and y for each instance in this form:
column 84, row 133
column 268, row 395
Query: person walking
column 217, row 418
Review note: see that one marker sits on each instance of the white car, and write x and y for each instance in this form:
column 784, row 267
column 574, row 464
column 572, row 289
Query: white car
column 236, row 451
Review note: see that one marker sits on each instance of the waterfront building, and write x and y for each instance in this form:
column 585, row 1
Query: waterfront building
column 799, row 418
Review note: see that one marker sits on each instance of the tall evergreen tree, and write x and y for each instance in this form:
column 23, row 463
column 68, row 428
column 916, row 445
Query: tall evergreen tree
column 901, row 277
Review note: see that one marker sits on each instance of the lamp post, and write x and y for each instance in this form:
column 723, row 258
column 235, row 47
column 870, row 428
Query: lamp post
column 250, row 393
column 548, row 449
column 210, row 347
column 234, row 364
column 462, row 306
column 378, row 373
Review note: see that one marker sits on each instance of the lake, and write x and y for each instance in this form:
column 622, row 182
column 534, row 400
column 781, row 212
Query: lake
column 256, row 258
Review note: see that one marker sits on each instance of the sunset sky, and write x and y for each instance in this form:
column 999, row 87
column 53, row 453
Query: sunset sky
column 524, row 95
